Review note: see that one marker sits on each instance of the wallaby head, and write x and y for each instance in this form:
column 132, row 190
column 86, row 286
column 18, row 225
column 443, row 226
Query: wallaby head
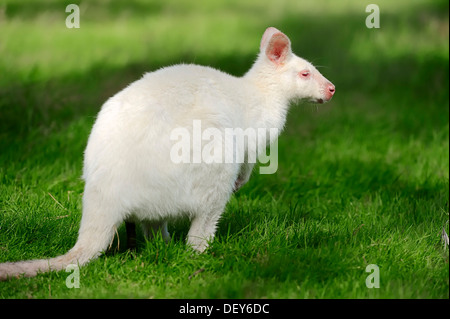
column 295, row 77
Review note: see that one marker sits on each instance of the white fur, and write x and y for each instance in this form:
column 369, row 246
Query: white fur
column 128, row 172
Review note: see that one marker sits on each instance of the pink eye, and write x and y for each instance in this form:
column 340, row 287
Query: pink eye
column 304, row 74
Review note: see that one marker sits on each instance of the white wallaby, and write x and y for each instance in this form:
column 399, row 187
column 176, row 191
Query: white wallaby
column 128, row 172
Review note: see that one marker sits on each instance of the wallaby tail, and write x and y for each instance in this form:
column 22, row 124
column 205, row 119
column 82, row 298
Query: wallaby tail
column 78, row 255
column 31, row 268
column 92, row 241
column 98, row 225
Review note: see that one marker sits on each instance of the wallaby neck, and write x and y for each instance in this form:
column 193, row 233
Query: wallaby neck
column 268, row 104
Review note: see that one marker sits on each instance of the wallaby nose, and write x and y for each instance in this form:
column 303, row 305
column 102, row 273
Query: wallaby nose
column 331, row 89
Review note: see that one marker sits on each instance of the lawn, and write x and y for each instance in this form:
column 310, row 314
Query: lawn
column 362, row 180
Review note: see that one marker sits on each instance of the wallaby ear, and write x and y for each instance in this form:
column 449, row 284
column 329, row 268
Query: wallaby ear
column 275, row 45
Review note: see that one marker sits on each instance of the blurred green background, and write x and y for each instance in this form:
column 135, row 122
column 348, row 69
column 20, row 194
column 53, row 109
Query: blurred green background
column 365, row 171
column 120, row 40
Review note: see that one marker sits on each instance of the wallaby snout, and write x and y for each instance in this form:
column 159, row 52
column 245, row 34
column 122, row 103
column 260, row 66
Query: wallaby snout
column 329, row 92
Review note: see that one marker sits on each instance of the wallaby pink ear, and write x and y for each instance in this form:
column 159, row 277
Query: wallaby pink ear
column 276, row 45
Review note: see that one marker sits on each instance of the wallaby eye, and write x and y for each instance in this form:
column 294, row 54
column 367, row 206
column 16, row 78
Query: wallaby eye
column 304, row 74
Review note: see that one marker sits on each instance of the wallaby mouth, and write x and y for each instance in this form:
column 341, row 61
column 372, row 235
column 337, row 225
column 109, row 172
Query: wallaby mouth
column 318, row 101
column 328, row 96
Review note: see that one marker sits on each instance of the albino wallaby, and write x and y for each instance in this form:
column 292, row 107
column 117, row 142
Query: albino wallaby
column 128, row 171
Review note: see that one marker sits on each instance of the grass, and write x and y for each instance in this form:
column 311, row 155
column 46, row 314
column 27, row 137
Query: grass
column 362, row 180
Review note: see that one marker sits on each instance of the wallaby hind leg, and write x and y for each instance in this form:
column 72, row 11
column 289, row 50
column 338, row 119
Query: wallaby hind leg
column 131, row 235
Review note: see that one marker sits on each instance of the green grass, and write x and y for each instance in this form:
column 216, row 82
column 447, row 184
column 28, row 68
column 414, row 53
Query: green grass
column 361, row 180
